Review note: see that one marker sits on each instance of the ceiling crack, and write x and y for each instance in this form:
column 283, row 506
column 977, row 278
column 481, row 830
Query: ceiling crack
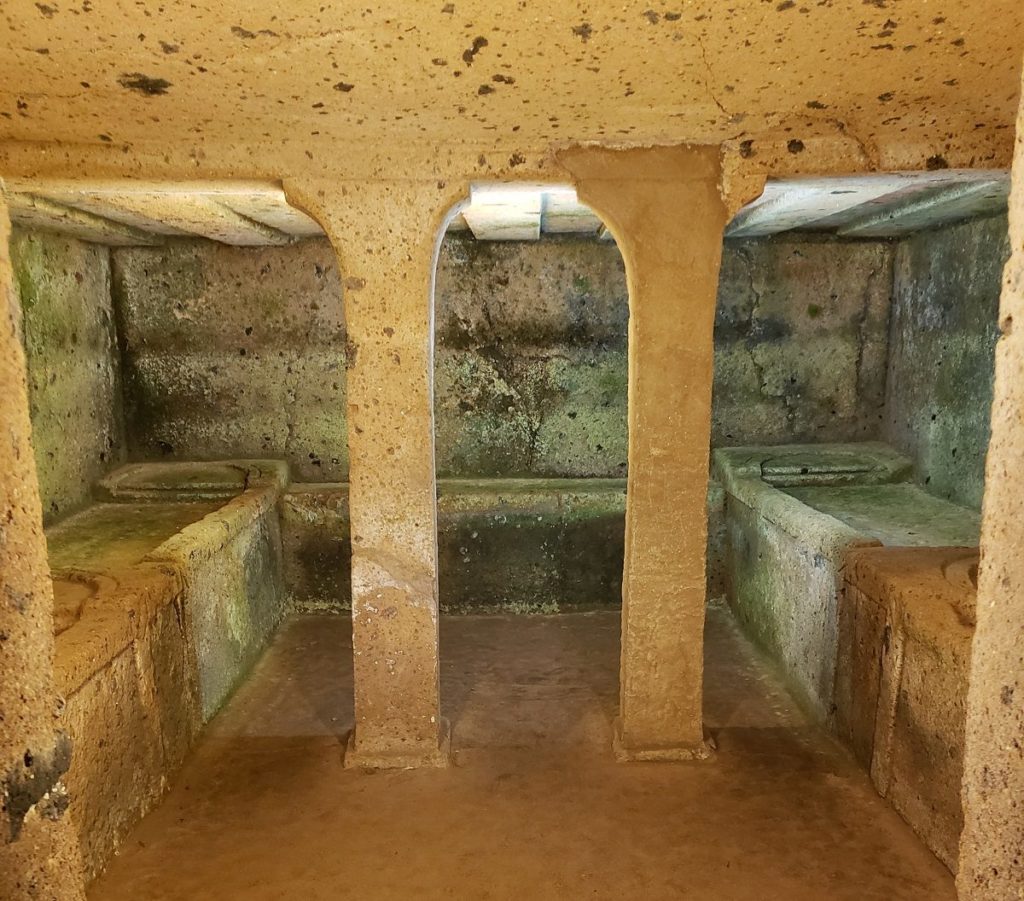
column 708, row 79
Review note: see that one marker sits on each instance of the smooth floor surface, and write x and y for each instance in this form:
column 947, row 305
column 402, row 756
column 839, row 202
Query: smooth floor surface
column 534, row 806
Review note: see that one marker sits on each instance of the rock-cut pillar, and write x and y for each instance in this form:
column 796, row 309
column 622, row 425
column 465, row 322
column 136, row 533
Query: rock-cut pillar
column 39, row 855
column 385, row 235
column 664, row 208
column 992, row 844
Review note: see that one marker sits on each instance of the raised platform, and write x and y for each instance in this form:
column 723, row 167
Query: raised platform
column 839, row 567
column 164, row 595
column 504, row 545
column 792, row 514
column 906, row 625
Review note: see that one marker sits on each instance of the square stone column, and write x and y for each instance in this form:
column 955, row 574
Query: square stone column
column 38, row 850
column 385, row 235
column 664, row 208
column 992, row 842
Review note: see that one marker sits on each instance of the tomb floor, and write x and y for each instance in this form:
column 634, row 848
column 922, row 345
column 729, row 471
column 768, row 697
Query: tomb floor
column 534, row 805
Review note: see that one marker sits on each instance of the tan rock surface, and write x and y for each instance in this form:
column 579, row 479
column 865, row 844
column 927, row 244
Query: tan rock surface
column 992, row 846
column 38, row 854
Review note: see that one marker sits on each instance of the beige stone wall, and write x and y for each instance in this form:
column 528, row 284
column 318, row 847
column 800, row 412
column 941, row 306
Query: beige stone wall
column 992, row 845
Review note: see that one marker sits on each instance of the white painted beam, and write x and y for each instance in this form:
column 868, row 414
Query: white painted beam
column 174, row 214
column 832, row 202
column 233, row 212
column 273, row 210
column 458, row 223
column 147, row 187
column 797, row 203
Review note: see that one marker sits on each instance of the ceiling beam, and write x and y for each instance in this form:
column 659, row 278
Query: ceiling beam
column 271, row 208
column 148, row 187
column 458, row 223
column 28, row 211
column 940, row 206
column 827, row 203
column 181, row 214
column 504, row 213
column 233, row 212
column 789, row 204
column 563, row 214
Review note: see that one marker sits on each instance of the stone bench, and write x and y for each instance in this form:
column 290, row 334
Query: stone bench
column 504, row 545
column 165, row 591
column 858, row 583
column 906, row 625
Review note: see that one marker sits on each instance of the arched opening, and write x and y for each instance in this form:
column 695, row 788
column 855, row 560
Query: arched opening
column 530, row 368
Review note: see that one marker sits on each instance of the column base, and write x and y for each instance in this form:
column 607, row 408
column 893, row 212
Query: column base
column 439, row 756
column 660, row 753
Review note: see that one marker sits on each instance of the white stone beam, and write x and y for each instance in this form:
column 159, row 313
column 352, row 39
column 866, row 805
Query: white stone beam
column 789, row 204
column 938, row 206
column 833, row 202
column 243, row 213
column 563, row 214
column 176, row 214
column 504, row 213
column 37, row 212
column 273, row 210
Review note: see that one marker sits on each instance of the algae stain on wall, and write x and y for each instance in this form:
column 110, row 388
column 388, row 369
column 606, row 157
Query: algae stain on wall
column 801, row 339
column 945, row 325
column 531, row 359
column 74, row 371
column 531, row 351
column 235, row 352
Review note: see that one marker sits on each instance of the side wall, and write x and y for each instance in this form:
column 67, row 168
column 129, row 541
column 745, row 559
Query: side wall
column 234, row 352
column 74, row 372
column 942, row 341
column 801, row 340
